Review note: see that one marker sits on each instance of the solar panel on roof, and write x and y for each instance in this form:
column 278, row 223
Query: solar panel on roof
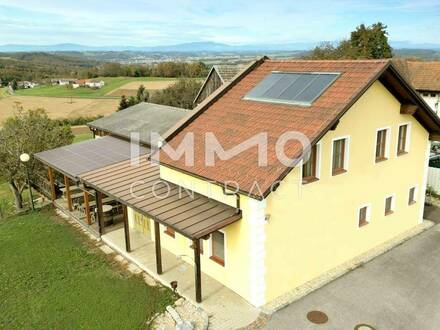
column 300, row 88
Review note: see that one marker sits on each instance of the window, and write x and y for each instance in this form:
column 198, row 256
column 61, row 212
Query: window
column 310, row 169
column 218, row 247
column 412, row 196
column 433, row 95
column 403, row 139
column 381, row 145
column 201, row 246
column 425, row 94
column 339, row 156
column 364, row 214
column 170, row 231
column 389, row 205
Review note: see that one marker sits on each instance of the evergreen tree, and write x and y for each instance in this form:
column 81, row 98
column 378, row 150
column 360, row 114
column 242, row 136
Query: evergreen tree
column 142, row 94
column 123, row 104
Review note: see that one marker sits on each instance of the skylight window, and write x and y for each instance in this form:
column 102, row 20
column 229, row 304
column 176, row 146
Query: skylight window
column 301, row 88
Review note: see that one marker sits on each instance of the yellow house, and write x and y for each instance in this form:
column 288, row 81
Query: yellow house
column 282, row 175
column 363, row 185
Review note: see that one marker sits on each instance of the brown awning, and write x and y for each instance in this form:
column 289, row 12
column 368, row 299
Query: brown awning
column 140, row 187
column 86, row 156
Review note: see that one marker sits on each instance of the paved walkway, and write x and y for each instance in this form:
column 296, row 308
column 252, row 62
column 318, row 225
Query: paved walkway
column 227, row 310
column 397, row 290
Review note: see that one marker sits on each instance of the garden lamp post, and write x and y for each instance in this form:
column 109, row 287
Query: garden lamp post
column 24, row 158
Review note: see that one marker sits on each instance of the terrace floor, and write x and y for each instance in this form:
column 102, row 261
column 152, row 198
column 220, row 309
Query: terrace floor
column 227, row 310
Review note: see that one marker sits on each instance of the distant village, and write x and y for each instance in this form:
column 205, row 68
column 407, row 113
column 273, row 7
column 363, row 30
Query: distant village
column 75, row 83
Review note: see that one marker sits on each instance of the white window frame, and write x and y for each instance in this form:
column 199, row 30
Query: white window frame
column 368, row 219
column 346, row 154
column 408, row 137
column 318, row 163
column 393, row 203
column 387, row 143
column 224, row 247
column 416, row 193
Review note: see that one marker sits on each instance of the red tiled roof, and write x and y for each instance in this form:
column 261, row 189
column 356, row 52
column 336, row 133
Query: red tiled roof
column 425, row 76
column 234, row 120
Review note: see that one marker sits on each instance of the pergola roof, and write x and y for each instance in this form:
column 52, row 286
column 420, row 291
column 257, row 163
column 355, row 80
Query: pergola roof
column 75, row 159
column 140, row 187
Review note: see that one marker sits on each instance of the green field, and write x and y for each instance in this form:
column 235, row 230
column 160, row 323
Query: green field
column 82, row 137
column 111, row 83
column 52, row 278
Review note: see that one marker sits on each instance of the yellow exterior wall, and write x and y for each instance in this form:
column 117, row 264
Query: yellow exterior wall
column 236, row 272
column 314, row 228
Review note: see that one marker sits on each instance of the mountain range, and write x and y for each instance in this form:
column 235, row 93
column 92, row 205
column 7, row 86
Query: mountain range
column 193, row 47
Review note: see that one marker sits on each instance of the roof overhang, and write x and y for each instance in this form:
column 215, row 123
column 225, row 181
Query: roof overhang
column 75, row 159
column 139, row 186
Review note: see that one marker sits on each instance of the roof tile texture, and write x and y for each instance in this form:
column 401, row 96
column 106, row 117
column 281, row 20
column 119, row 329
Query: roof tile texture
column 234, row 120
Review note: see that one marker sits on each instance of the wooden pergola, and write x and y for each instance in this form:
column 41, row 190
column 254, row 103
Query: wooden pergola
column 191, row 214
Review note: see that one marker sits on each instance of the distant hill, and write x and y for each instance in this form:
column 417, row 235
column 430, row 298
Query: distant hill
column 208, row 46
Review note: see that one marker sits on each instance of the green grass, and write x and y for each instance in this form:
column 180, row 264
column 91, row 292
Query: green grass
column 111, row 83
column 83, row 137
column 50, row 279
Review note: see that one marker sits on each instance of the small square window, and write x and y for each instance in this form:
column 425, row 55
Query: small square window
column 364, row 214
column 412, row 196
column 389, row 205
column 218, row 247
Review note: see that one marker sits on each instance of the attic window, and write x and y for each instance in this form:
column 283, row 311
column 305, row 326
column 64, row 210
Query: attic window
column 299, row 88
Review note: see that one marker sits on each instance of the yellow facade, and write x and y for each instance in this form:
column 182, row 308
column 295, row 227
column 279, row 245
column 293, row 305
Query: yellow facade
column 313, row 228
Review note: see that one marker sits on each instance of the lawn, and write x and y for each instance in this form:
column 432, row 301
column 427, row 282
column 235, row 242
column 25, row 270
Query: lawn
column 111, row 83
column 82, row 137
column 51, row 279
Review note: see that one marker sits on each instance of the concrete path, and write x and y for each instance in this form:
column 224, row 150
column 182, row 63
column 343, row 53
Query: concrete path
column 397, row 290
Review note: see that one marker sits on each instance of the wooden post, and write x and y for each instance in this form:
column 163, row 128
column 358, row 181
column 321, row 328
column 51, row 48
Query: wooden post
column 98, row 198
column 52, row 184
column 69, row 199
column 158, row 250
column 87, row 207
column 126, row 229
column 197, row 270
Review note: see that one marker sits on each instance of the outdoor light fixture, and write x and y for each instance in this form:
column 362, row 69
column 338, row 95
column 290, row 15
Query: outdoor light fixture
column 174, row 286
column 24, row 158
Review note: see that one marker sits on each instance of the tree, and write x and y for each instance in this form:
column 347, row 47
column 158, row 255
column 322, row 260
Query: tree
column 123, row 104
column 142, row 94
column 14, row 85
column 366, row 42
column 29, row 132
column 132, row 101
column 181, row 94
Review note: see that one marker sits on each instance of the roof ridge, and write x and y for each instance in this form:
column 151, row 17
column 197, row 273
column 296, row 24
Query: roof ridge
column 332, row 61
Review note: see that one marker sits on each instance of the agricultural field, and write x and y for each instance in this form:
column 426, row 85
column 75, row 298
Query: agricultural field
column 130, row 89
column 59, row 107
column 112, row 84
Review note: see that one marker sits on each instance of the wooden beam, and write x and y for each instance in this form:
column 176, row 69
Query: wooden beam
column 98, row 198
column 53, row 195
column 87, row 208
column 126, row 229
column 408, row 109
column 197, row 270
column 68, row 196
column 434, row 137
column 158, row 250
column 335, row 125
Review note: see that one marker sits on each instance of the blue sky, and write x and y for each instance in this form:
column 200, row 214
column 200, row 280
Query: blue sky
column 162, row 22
